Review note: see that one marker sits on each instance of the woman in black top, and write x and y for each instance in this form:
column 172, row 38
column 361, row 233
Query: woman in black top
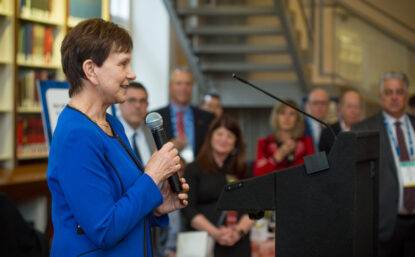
column 221, row 160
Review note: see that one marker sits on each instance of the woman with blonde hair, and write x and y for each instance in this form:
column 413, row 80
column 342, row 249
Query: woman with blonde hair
column 287, row 146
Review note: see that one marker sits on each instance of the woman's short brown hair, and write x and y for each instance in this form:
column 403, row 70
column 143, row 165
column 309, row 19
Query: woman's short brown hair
column 236, row 160
column 91, row 39
column 299, row 122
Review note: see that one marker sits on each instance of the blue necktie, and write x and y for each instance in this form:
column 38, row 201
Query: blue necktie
column 135, row 148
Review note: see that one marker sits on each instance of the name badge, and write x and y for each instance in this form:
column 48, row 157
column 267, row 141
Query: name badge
column 187, row 154
column 408, row 173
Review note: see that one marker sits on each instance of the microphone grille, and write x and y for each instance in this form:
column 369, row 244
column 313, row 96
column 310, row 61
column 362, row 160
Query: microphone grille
column 154, row 120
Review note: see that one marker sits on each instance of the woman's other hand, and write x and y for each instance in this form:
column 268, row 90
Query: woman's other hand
column 171, row 200
column 163, row 163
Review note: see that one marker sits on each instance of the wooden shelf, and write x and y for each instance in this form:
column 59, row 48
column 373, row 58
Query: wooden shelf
column 6, row 13
column 5, row 110
column 39, row 19
column 32, row 156
column 38, row 65
column 33, row 109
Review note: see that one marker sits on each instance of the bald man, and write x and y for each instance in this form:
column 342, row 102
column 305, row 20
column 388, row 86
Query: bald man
column 318, row 106
column 349, row 110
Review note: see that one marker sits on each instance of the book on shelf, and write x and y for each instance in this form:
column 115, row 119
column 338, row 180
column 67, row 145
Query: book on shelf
column 31, row 141
column 27, row 93
column 36, row 8
column 35, row 44
column 85, row 9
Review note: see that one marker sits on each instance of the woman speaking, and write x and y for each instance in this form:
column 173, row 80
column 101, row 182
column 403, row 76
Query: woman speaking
column 103, row 199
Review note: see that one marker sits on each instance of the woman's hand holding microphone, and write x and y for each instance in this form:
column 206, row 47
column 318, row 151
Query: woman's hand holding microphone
column 162, row 165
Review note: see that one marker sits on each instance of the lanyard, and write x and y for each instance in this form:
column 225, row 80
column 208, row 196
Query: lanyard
column 411, row 147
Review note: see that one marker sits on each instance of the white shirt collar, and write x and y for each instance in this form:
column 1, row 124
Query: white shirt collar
column 391, row 120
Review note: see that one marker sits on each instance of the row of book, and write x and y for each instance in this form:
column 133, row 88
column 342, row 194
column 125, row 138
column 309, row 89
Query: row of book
column 77, row 8
column 37, row 8
column 31, row 141
column 27, row 93
column 35, row 43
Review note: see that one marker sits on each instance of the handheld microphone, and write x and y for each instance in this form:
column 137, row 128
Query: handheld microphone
column 155, row 122
column 284, row 102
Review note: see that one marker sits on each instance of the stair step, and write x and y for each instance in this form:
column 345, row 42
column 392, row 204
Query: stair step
column 239, row 49
column 259, row 83
column 227, row 10
column 233, row 30
column 243, row 67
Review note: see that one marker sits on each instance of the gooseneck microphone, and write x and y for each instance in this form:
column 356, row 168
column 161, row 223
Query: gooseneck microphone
column 284, row 102
column 155, row 122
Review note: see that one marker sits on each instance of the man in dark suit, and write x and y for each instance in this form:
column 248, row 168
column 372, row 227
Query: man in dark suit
column 185, row 125
column 318, row 106
column 349, row 110
column 396, row 196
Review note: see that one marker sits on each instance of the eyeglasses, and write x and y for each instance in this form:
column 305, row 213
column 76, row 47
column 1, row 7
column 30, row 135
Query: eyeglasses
column 399, row 92
column 136, row 101
column 320, row 103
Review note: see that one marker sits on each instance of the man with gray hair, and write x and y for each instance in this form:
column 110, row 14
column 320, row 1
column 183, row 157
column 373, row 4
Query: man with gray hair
column 396, row 166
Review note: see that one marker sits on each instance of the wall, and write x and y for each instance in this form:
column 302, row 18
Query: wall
column 150, row 58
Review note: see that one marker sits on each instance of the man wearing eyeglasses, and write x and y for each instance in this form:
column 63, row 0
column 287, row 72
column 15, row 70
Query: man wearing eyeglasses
column 133, row 112
column 317, row 105
column 396, row 166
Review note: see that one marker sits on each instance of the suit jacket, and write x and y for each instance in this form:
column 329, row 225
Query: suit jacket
column 201, row 119
column 327, row 138
column 388, row 177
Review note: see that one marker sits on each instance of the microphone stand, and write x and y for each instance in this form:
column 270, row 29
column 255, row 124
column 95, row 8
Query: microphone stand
column 284, row 102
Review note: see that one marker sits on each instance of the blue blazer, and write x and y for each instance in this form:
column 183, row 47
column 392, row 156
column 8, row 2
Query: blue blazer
column 102, row 202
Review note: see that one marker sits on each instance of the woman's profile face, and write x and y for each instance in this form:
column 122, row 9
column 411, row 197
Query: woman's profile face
column 287, row 119
column 114, row 76
column 223, row 141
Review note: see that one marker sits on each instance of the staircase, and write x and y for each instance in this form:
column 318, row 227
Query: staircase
column 253, row 39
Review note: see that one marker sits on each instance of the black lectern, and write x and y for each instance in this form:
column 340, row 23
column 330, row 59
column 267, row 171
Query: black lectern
column 333, row 212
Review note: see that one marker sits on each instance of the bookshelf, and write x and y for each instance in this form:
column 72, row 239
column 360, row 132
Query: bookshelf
column 31, row 33
column 7, row 68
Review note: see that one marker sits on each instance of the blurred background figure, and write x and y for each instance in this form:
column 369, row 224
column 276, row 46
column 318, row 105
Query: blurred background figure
column 212, row 103
column 349, row 110
column 318, row 104
column 133, row 112
column 287, row 146
column 411, row 109
column 185, row 125
column 220, row 161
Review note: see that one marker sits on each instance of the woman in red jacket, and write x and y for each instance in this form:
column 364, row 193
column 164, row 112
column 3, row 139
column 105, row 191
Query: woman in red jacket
column 287, row 146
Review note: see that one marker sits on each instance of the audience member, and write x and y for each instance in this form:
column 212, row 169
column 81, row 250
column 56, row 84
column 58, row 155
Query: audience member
column 396, row 190
column 184, row 124
column 318, row 105
column 212, row 103
column 221, row 159
column 412, row 105
column 287, row 146
column 349, row 110
column 133, row 114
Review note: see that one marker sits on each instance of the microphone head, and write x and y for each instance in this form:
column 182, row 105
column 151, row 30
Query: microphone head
column 154, row 120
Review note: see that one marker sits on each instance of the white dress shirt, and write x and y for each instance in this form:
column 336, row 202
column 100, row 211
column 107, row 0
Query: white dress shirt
column 391, row 121
column 143, row 148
